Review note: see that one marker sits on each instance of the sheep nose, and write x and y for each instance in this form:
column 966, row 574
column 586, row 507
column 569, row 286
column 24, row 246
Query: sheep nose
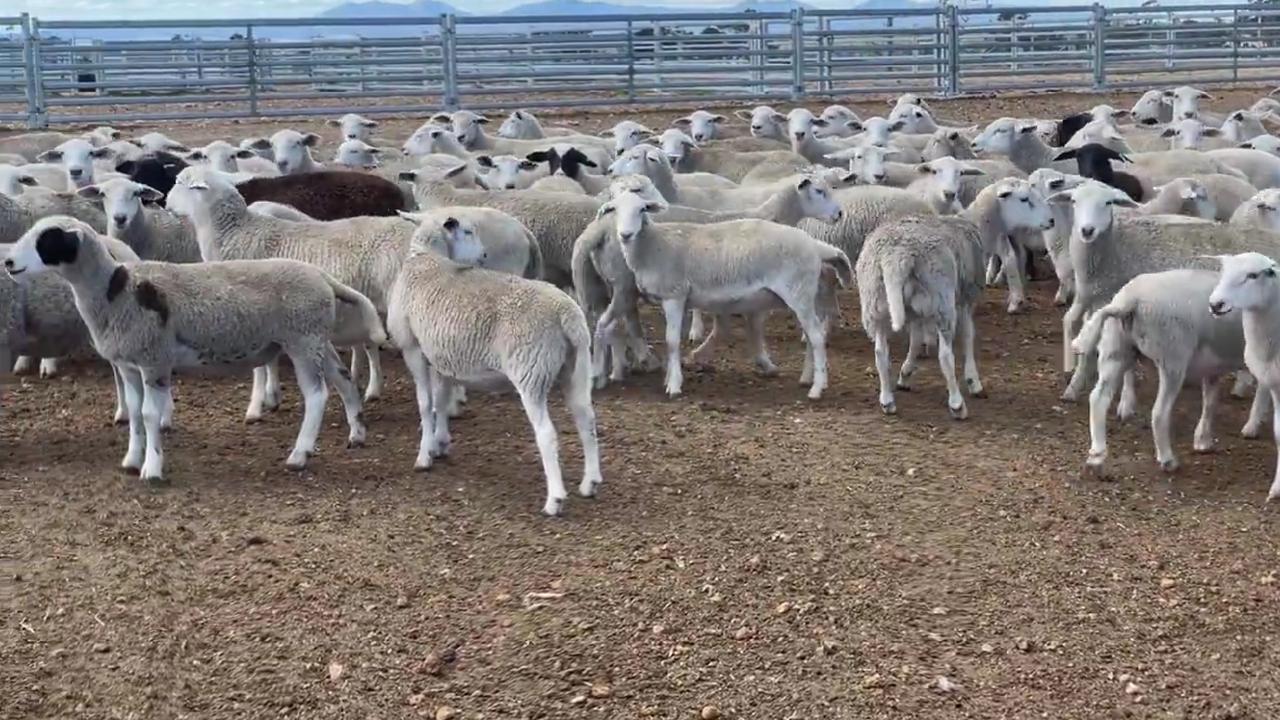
column 75, row 172
column 974, row 146
column 799, row 136
column 511, row 186
column 839, row 214
column 1188, row 115
column 1087, row 231
column 879, row 177
column 119, row 219
column 8, row 263
column 626, row 236
column 757, row 128
column 1217, row 307
column 948, row 195
column 1052, row 222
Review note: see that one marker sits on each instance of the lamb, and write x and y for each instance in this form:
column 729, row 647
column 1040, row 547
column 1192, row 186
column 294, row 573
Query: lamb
column 158, row 172
column 77, row 157
column 355, row 127
column 923, row 274
column 506, row 172
column 1266, row 143
column 745, row 266
column 1260, row 168
column 221, row 155
column 701, row 125
column 1108, row 251
column 364, row 252
column 456, row 324
column 157, row 317
column 916, row 100
column 509, row 247
column 1161, row 316
column 917, row 120
column 1248, row 284
column 14, row 180
column 329, row 194
column 469, row 127
column 1241, row 125
column 291, row 151
column 31, row 146
column 1153, row 108
column 626, row 135
column 151, row 232
column 741, row 167
column 1262, row 211
column 766, row 123
column 523, row 125
column 1226, row 192
column 864, row 208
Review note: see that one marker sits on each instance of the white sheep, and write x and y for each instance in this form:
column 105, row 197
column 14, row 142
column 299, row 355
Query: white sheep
column 291, row 151
column 103, row 135
column 701, row 125
column 30, row 146
column 1266, row 143
column 739, row 166
column 1186, row 104
column 508, row 245
column 355, row 127
column 1248, row 284
column 155, row 318
column 77, row 157
column 765, row 122
column 1193, row 134
column 626, row 135
column 506, row 172
column 1155, row 107
column 1019, row 142
column 1161, row 316
column 1262, row 211
column 478, row 326
column 1260, row 168
column 15, row 180
column 697, row 190
column 358, row 155
column 133, row 218
column 1057, row 239
column 222, row 155
column 469, row 129
column 524, row 125
column 745, row 266
column 1241, row 125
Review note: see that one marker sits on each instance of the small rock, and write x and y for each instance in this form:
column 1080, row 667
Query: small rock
column 444, row 712
column 783, row 608
column 911, row 472
column 943, row 685
column 336, row 669
column 987, row 648
column 577, row 699
column 1167, row 583
column 1131, row 688
column 659, row 629
column 601, row 691
column 743, row 633
column 402, row 601
column 1023, row 644
column 1268, row 579
column 710, row 712
column 939, row 611
column 431, row 665
column 717, row 599
column 416, row 699
column 101, row 647
column 875, row 680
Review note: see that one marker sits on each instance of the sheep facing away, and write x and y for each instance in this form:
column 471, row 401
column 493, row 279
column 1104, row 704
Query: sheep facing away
column 329, row 194
column 155, row 318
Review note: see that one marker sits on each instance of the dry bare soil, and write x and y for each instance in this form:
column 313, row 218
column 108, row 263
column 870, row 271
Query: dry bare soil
column 751, row 552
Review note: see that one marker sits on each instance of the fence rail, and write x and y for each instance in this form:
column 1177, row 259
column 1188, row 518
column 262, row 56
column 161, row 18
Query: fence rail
column 55, row 72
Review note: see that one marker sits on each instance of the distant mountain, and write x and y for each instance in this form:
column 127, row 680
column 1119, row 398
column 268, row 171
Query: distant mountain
column 377, row 9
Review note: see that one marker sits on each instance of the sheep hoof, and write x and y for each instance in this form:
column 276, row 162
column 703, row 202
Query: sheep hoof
column 154, row 480
column 1273, row 495
column 959, row 413
column 766, row 369
column 422, row 463
column 589, row 487
column 355, row 441
column 903, row 385
column 252, row 419
column 1251, row 432
column 442, row 449
column 1095, row 467
column 815, row 393
column 120, row 419
column 976, row 389
column 1204, row 448
column 1015, row 308
column 1170, row 465
column 889, row 408
column 1068, row 395
column 131, row 469
column 297, row 460
column 553, row 507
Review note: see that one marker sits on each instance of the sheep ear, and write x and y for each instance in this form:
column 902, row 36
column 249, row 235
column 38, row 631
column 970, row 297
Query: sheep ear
column 538, row 156
column 260, row 143
column 102, row 153
column 199, row 154
column 1211, row 132
column 849, row 178
column 442, row 117
column 150, row 195
column 1061, row 198
column 1204, row 95
column 1121, row 113
column 719, row 119
column 484, row 161
column 586, row 161
column 743, row 114
column 415, row 218
column 528, row 165
column 369, row 123
column 1248, row 145
column 310, row 139
column 655, row 206
column 127, row 167
column 333, row 123
column 854, row 125
column 451, row 224
column 482, row 120
column 1065, row 154
column 819, row 122
column 804, row 183
column 90, row 191
column 1024, row 129
column 408, row 175
column 1124, row 201
column 682, row 122
column 1167, row 93
column 50, row 156
column 972, row 171
column 778, row 117
column 1169, row 132
column 605, row 209
column 1002, row 194
column 924, row 169
column 243, row 154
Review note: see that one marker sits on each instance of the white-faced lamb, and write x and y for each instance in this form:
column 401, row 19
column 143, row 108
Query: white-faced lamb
column 524, row 125
column 291, row 151
column 134, row 218
column 355, row 127
column 744, row 167
column 1261, row 211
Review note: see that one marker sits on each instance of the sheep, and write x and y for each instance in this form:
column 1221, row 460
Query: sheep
column 868, row 165
column 439, row 167
column 1260, row 168
column 841, row 122
column 917, row 120
column 154, row 142
column 701, row 125
column 916, row 100
column 1160, row 316
column 77, row 157
column 745, row 266
column 158, row 172
column 649, row 161
column 1266, row 143
column 506, row 172
column 19, row 214
column 1248, row 284
column 864, row 208
column 291, row 151
column 158, row 317
column 1011, row 216
column 357, row 155
column 430, row 139
column 766, row 123
column 355, row 127
column 281, row 211
column 1107, row 251
column 102, row 135
column 802, row 127
column 741, row 167
column 1057, row 239
column 567, row 172
column 1153, row 108
column 1241, row 125
column 1186, row 104
column 1192, row 134
column 469, row 128
column 1094, row 161
column 13, row 159
column 923, row 274
column 14, row 180
column 523, row 125
column 31, row 146
column 364, row 252
column 151, row 232
column 456, row 324
column 222, row 155
column 879, row 131
column 1262, row 211
column 626, row 135
column 1019, row 142
column 508, row 245
column 257, row 147
column 329, row 194
column 1184, row 196
column 949, row 143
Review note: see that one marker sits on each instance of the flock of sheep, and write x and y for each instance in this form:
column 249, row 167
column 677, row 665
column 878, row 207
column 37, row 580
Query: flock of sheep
column 461, row 250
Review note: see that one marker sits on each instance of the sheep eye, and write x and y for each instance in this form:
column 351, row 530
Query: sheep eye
column 1110, row 203
column 1269, row 272
column 1252, row 276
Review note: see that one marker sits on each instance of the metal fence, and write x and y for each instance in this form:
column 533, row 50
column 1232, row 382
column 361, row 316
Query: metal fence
column 101, row 71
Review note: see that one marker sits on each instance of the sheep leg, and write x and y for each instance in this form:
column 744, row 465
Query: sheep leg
column 23, row 365
column 947, row 361
column 1257, row 412
column 133, row 456
column 756, row 344
column 1203, row 439
column 881, row 340
column 308, row 367
column 696, row 330
column 1128, row 396
column 1069, row 320
column 257, row 396
column 1274, row 492
column 994, row 270
column 373, row 390
column 166, row 415
column 155, row 398
column 48, row 367
column 673, row 309
column 643, row 355
column 535, row 406
column 1066, row 279
column 968, row 335
column 577, row 395
column 272, row 391
column 1111, row 365
column 607, row 344
column 912, row 361
column 417, row 364
column 457, row 397
column 815, row 329
column 335, row 372
column 357, row 364
column 1013, row 274
column 441, row 390
column 719, row 326
column 1161, row 414
column 1243, row 384
column 122, row 408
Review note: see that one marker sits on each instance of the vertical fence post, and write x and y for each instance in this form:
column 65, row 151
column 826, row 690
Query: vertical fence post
column 449, row 67
column 1099, row 46
column 251, row 62
column 1235, row 44
column 953, row 51
column 631, row 61
column 31, row 71
column 797, row 53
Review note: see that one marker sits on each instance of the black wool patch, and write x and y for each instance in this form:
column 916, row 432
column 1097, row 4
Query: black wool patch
column 119, row 278
column 150, row 297
column 57, row 246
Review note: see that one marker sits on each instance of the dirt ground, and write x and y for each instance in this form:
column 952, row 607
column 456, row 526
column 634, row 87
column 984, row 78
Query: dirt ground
column 752, row 552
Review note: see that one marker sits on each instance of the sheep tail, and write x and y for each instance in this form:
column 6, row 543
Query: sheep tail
column 535, row 269
column 1119, row 307
column 578, row 371
column 895, row 270
column 368, row 313
column 591, row 289
column 839, row 261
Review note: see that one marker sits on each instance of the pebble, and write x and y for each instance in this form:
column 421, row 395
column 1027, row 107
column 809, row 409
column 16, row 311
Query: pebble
column 1023, row 644
column 101, row 647
column 444, row 712
column 1131, row 688
column 987, row 648
column 336, row 669
column 875, row 680
column 577, row 699
column 431, row 664
column 1167, row 583
column 944, row 685
column 402, row 602
column 783, row 608
column 743, row 633
column 710, row 712
column 601, row 691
